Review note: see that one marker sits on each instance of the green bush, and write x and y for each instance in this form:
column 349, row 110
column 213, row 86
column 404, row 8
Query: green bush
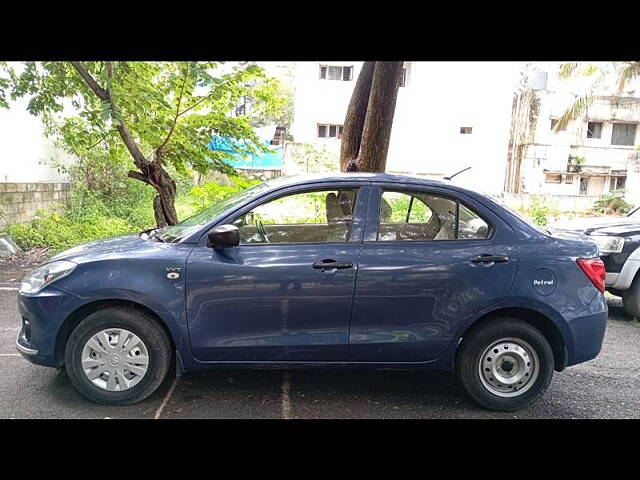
column 611, row 204
column 127, row 208
column 540, row 211
column 209, row 193
column 60, row 232
column 89, row 215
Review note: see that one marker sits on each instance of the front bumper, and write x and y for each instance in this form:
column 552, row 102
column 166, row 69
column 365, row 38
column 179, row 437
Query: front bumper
column 43, row 315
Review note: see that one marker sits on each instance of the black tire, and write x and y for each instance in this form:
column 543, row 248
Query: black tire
column 146, row 328
column 631, row 298
column 479, row 339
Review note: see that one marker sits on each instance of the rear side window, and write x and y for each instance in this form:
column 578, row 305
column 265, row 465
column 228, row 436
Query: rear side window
column 419, row 216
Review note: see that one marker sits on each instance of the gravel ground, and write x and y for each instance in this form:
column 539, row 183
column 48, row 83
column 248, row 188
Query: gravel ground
column 607, row 387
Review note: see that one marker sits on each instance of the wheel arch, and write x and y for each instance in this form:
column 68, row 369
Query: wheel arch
column 74, row 319
column 630, row 270
column 542, row 322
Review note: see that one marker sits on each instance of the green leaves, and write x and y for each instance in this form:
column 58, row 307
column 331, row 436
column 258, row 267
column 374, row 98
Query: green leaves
column 576, row 109
column 176, row 104
column 599, row 75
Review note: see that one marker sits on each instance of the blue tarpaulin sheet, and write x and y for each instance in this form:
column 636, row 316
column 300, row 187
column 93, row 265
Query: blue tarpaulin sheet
column 250, row 160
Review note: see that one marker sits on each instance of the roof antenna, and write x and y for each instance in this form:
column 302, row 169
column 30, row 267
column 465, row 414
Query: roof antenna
column 457, row 173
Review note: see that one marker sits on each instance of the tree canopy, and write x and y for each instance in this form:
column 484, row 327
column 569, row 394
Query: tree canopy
column 600, row 74
column 151, row 113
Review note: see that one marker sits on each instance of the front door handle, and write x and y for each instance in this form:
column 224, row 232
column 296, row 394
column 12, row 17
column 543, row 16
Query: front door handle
column 329, row 263
column 489, row 259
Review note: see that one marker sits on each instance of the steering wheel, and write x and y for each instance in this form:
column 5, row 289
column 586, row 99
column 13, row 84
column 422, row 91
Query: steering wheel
column 262, row 231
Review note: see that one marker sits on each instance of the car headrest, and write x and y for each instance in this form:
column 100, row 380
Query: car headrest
column 334, row 212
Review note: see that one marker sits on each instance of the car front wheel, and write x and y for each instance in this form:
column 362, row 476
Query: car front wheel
column 505, row 364
column 117, row 356
column 631, row 299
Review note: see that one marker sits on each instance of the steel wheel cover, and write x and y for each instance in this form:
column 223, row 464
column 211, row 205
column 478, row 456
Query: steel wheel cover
column 508, row 367
column 115, row 359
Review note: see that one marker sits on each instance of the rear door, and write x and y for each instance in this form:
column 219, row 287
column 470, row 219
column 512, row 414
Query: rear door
column 432, row 259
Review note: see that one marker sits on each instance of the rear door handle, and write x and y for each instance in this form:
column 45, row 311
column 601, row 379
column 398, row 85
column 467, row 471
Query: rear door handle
column 328, row 263
column 489, row 259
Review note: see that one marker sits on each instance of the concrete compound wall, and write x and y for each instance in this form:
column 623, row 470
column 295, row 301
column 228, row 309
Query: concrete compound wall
column 564, row 203
column 19, row 202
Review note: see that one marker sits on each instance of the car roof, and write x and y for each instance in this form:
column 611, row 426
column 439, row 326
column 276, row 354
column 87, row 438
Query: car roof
column 352, row 176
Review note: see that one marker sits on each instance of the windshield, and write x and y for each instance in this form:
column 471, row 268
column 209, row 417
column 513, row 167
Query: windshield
column 635, row 213
column 199, row 220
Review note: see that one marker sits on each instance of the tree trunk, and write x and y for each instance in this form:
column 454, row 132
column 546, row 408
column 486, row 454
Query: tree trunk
column 378, row 82
column 356, row 113
column 164, row 203
column 164, row 208
column 150, row 172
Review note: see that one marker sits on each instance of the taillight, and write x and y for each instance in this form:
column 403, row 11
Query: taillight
column 594, row 269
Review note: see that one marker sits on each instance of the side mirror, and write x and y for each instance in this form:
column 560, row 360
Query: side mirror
column 224, row 236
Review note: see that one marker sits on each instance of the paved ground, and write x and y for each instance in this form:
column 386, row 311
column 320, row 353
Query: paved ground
column 607, row 387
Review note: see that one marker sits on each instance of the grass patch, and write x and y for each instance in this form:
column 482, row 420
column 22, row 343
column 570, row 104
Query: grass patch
column 91, row 215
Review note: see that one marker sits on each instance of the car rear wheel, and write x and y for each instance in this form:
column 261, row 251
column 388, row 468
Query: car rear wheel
column 117, row 356
column 505, row 364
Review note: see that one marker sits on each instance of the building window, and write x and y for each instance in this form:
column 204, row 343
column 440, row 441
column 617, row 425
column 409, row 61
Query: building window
column 403, row 78
column 466, row 130
column 584, row 185
column 623, row 134
column 330, row 131
column 553, row 124
column 332, row 72
column 594, row 130
column 617, row 183
column 568, row 178
column 553, row 178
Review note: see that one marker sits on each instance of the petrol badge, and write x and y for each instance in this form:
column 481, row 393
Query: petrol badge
column 544, row 282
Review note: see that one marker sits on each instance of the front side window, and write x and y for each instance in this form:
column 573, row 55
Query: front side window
column 421, row 216
column 321, row 216
column 194, row 223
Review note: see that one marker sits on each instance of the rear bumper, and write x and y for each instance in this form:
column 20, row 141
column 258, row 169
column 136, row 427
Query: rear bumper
column 587, row 335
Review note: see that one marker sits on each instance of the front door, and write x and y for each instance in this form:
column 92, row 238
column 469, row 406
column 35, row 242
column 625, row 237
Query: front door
column 424, row 271
column 285, row 293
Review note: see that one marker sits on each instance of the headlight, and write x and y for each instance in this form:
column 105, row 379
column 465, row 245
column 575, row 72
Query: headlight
column 45, row 275
column 607, row 244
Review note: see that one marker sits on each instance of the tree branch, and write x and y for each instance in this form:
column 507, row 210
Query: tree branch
column 89, row 80
column 95, row 144
column 195, row 104
column 138, row 176
column 105, row 95
column 160, row 149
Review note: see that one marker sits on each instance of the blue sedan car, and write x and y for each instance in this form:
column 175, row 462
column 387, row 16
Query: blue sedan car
column 350, row 269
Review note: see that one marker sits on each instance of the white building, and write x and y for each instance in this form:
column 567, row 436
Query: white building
column 25, row 152
column 449, row 116
column 594, row 155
